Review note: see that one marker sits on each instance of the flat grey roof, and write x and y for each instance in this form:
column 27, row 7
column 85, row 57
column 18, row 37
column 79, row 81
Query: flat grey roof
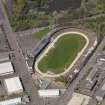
column 101, row 91
column 92, row 73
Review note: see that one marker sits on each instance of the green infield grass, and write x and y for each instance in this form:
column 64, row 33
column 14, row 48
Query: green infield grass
column 62, row 55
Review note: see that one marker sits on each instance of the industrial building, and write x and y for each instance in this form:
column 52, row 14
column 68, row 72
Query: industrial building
column 49, row 93
column 92, row 78
column 92, row 74
column 13, row 85
column 100, row 93
column 79, row 99
column 6, row 68
column 101, row 58
column 14, row 101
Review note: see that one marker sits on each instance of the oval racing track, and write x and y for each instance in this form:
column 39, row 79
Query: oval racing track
column 52, row 45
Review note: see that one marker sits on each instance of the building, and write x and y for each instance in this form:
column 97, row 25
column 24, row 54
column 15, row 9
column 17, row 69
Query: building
column 100, row 93
column 79, row 99
column 102, row 58
column 6, row 68
column 49, row 93
column 13, row 85
column 92, row 74
column 14, row 101
column 91, row 80
column 89, row 86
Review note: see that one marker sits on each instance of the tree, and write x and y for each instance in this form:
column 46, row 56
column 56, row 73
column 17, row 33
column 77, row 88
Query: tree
column 41, row 3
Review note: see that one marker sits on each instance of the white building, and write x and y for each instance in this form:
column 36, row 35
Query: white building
column 13, row 85
column 49, row 93
column 79, row 99
column 6, row 68
column 14, row 101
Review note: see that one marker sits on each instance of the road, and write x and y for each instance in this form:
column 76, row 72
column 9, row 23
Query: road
column 20, row 61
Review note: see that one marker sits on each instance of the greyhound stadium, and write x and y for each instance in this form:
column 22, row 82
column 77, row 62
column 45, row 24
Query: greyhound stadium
column 66, row 51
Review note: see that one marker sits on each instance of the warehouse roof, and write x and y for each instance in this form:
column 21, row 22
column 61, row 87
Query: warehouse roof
column 13, row 85
column 49, row 93
column 14, row 101
column 6, row 68
column 100, row 93
column 92, row 74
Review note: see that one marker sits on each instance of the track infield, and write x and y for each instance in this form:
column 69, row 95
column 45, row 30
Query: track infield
column 61, row 54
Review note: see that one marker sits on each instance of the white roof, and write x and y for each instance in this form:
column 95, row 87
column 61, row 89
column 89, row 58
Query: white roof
column 103, row 87
column 14, row 101
column 6, row 68
column 49, row 93
column 79, row 99
column 13, row 85
column 102, row 59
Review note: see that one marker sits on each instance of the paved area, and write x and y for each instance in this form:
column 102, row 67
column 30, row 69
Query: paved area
column 27, row 43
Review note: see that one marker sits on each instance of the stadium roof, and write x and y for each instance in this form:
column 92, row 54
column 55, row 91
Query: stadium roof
column 6, row 68
column 14, row 101
column 13, row 85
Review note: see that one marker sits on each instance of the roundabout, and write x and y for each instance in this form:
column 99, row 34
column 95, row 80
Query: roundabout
column 61, row 54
